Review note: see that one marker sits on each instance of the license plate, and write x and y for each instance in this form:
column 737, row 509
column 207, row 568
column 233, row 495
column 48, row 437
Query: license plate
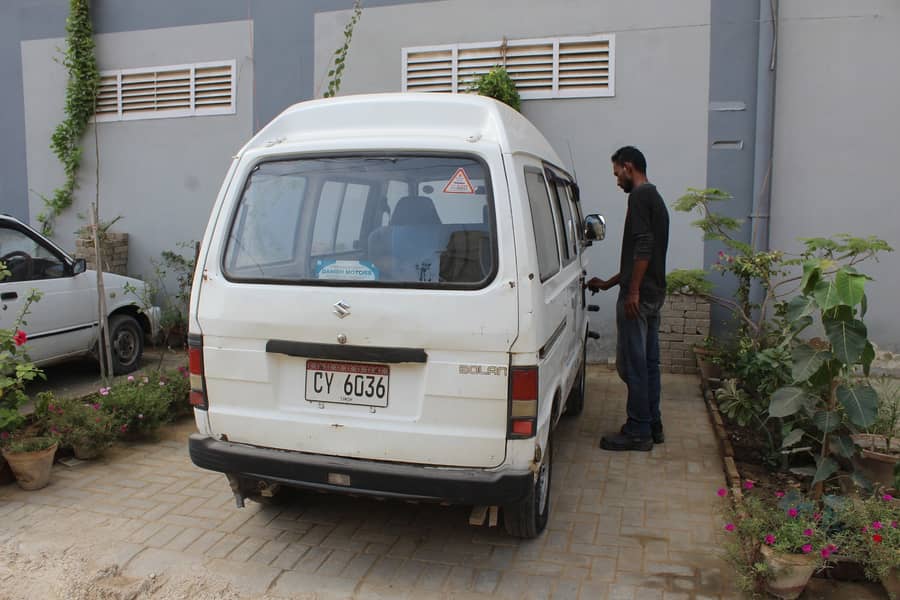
column 347, row 383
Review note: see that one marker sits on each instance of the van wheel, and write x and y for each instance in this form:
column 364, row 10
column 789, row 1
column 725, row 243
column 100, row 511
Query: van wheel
column 527, row 518
column 127, row 343
column 575, row 401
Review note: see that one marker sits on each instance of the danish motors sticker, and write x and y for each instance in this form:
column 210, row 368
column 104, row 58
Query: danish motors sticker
column 459, row 183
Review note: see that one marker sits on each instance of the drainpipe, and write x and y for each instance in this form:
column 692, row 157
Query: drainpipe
column 765, row 123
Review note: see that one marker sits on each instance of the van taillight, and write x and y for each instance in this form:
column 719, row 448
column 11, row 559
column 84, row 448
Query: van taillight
column 198, row 381
column 523, row 402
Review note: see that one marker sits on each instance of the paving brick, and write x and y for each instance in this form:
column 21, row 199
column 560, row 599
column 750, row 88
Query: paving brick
column 290, row 583
column 290, row 556
column 184, row 539
column 246, row 549
column 246, row 578
column 223, row 547
column 205, row 542
column 153, row 561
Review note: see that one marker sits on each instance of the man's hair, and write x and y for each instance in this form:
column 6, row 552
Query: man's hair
column 630, row 154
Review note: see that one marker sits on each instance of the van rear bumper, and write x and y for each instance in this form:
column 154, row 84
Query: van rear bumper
column 371, row 478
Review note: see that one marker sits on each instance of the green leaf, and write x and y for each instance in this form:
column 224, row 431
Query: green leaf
column 807, row 362
column 848, row 339
column 868, row 357
column 801, row 324
column 787, row 401
column 826, row 295
column 844, row 446
column 827, row 421
column 812, row 273
column 825, row 468
column 800, row 306
column 860, row 402
column 851, row 287
column 864, row 306
column 792, row 438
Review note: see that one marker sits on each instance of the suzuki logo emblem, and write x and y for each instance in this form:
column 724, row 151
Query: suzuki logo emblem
column 341, row 309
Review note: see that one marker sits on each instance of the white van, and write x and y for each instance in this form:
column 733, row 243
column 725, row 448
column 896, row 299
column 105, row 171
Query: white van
column 389, row 301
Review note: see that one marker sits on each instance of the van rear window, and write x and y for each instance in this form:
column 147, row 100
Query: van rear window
column 397, row 221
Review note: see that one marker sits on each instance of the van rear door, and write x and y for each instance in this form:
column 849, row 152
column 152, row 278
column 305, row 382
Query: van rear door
column 358, row 306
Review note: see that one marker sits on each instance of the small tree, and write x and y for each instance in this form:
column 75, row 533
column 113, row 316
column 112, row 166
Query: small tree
column 498, row 85
column 340, row 55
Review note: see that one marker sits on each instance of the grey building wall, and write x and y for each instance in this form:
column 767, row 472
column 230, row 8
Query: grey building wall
column 837, row 136
column 160, row 175
column 662, row 91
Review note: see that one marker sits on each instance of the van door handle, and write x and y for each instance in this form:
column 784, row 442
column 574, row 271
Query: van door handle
column 8, row 296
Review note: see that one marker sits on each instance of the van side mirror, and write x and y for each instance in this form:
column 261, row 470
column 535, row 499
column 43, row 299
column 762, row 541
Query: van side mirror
column 594, row 228
column 79, row 266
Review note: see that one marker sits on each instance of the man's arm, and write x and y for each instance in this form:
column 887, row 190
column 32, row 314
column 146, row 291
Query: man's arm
column 595, row 284
column 642, row 230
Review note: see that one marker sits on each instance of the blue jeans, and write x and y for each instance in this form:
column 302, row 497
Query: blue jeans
column 637, row 361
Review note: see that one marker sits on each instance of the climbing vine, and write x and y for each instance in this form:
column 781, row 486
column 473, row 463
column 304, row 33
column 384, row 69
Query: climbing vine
column 340, row 55
column 81, row 93
column 498, row 85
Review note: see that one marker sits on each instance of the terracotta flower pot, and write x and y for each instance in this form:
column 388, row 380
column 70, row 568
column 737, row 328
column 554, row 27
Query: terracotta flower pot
column 32, row 469
column 791, row 572
column 873, row 460
column 891, row 583
column 708, row 370
column 86, row 451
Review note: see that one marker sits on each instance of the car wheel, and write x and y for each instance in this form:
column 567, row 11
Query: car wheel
column 127, row 338
column 575, row 401
column 528, row 517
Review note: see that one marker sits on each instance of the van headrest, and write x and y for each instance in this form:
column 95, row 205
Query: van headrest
column 415, row 210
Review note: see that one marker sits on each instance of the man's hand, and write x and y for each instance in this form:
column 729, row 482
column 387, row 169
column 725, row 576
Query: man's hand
column 595, row 284
column 632, row 304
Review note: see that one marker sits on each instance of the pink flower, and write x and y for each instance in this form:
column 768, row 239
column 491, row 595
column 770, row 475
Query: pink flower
column 807, row 548
column 729, row 527
column 817, row 516
column 865, row 529
column 4, row 435
column 808, row 532
column 104, row 391
column 95, row 406
column 876, row 525
column 887, row 497
column 793, row 512
column 748, row 485
column 893, row 523
column 146, row 380
column 770, row 539
column 722, row 492
column 123, row 428
column 779, row 494
column 826, row 552
column 20, row 337
column 131, row 378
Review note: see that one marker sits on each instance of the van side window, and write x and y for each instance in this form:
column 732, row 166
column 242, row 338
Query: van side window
column 576, row 213
column 567, row 224
column 544, row 229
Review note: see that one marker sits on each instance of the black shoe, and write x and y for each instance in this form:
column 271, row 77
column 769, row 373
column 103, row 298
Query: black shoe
column 619, row 442
column 656, row 430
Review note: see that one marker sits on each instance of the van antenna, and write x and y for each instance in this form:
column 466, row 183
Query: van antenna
column 572, row 159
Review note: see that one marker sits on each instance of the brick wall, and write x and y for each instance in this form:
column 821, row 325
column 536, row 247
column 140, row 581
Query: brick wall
column 115, row 252
column 684, row 322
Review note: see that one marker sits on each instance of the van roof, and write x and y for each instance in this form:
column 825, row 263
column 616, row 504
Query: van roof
column 460, row 116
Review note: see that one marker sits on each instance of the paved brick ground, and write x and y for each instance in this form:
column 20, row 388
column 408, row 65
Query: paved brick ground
column 624, row 526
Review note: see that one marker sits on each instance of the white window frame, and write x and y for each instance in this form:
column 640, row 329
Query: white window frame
column 607, row 92
column 193, row 111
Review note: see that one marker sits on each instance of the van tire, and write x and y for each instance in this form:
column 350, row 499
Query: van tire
column 127, row 338
column 575, row 401
column 526, row 519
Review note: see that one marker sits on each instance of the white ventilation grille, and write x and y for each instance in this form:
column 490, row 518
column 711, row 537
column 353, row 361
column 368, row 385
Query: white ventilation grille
column 173, row 91
column 571, row 67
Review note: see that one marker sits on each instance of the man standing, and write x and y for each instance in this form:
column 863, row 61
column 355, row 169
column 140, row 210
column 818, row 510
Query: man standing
column 642, row 290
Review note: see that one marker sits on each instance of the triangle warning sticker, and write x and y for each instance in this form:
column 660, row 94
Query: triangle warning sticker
column 459, row 183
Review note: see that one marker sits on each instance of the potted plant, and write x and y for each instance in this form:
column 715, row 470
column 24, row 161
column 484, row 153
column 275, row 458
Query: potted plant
column 15, row 371
column 871, row 535
column 879, row 453
column 776, row 544
column 82, row 426
column 31, row 459
column 137, row 406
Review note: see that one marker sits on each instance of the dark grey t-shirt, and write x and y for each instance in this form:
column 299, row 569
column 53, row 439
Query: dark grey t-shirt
column 646, row 236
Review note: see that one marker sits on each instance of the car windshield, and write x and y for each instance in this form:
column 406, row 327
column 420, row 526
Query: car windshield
column 424, row 221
